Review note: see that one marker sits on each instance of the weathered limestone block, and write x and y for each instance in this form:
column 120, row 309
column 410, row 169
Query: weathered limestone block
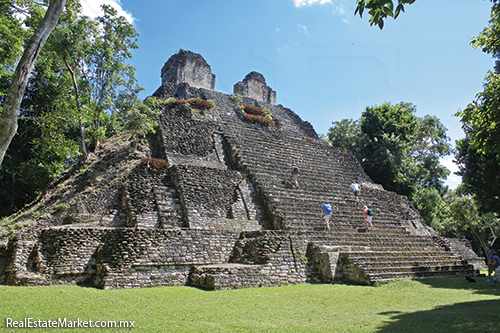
column 348, row 271
column 254, row 86
column 228, row 276
column 206, row 193
column 188, row 67
column 323, row 262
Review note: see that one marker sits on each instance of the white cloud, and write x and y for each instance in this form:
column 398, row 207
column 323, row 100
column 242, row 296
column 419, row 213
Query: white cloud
column 278, row 30
column 303, row 27
column 302, row 3
column 339, row 10
column 92, row 8
column 453, row 180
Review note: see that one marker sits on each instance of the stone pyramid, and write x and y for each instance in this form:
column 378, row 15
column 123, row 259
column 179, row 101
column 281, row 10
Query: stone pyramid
column 209, row 204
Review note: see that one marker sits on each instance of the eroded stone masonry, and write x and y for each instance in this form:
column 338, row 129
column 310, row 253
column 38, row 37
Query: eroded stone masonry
column 221, row 216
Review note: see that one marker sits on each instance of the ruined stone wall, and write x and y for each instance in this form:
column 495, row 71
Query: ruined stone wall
column 207, row 194
column 185, row 136
column 138, row 197
column 254, row 86
column 281, row 254
column 188, row 67
column 114, row 257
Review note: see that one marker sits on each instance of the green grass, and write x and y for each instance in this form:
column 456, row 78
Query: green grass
column 428, row 305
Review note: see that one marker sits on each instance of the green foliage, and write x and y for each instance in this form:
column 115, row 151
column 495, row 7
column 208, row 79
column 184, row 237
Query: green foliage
column 237, row 98
column 346, row 134
column 80, row 78
column 61, row 207
column 477, row 154
column 11, row 36
column 456, row 215
column 430, row 205
column 379, row 10
column 139, row 117
column 481, row 118
column 480, row 174
column 396, row 148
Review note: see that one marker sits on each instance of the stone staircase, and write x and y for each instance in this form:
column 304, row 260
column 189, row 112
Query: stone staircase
column 395, row 249
column 168, row 205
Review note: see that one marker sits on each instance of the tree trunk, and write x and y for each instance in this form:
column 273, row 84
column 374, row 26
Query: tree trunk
column 8, row 118
column 83, row 147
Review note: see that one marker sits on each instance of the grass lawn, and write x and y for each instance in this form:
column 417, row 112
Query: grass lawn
column 427, row 305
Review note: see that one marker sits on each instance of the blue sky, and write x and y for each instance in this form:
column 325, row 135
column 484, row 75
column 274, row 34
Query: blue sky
column 323, row 62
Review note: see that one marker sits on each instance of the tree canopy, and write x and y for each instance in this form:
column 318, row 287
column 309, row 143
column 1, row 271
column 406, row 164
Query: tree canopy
column 396, row 148
column 81, row 91
column 478, row 153
column 15, row 92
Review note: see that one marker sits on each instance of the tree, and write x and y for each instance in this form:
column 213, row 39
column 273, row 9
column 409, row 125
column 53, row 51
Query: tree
column 138, row 117
column 105, row 66
column 11, row 36
column 10, row 110
column 480, row 174
column 346, row 134
column 478, row 153
column 396, row 148
column 379, row 10
column 56, row 110
column 464, row 211
column 71, row 43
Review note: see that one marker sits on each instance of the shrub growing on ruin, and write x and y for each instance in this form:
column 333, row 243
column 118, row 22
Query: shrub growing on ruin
column 252, row 109
column 173, row 103
column 201, row 104
column 197, row 103
column 155, row 163
column 237, row 98
column 256, row 114
column 259, row 119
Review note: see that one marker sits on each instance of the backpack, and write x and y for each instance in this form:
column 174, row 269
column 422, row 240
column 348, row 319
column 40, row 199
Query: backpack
column 369, row 212
column 295, row 171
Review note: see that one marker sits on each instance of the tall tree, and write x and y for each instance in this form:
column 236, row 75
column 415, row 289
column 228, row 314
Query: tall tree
column 71, row 43
column 478, row 153
column 106, row 68
column 480, row 174
column 346, row 134
column 10, row 110
column 396, row 148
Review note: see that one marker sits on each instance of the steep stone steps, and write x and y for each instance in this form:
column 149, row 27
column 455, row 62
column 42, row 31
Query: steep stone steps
column 326, row 174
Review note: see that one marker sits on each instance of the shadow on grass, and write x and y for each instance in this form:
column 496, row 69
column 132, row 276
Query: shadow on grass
column 479, row 316
column 460, row 283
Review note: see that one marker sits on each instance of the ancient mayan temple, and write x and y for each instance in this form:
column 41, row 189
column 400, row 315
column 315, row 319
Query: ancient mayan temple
column 221, row 215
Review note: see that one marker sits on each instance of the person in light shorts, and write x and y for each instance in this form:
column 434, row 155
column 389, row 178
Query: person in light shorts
column 368, row 217
column 326, row 213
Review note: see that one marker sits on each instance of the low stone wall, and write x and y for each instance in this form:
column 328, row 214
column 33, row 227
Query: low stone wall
column 227, row 276
column 118, row 257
